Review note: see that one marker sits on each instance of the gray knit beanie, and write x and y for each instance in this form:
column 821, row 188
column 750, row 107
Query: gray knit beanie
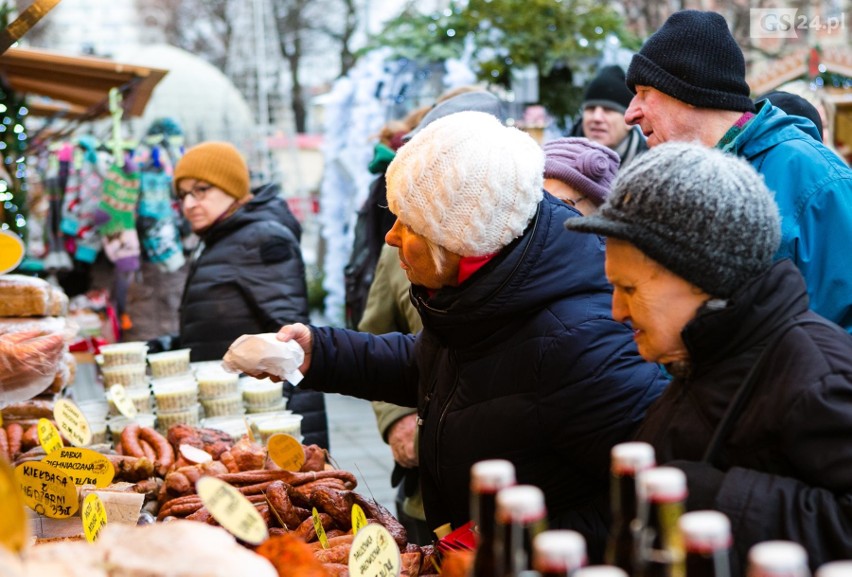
column 704, row 215
column 467, row 183
column 584, row 165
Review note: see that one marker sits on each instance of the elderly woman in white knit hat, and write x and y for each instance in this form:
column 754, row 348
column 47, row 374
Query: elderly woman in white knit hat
column 759, row 415
column 519, row 358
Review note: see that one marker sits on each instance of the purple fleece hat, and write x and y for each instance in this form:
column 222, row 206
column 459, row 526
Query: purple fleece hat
column 586, row 166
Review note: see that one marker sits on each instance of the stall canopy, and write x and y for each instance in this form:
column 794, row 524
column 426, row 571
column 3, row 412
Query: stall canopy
column 75, row 87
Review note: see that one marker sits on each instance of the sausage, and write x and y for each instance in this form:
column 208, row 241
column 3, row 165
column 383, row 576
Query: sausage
column 130, row 441
column 315, row 458
column 335, row 541
column 14, row 432
column 336, row 569
column 164, row 454
column 131, row 469
column 339, row 554
column 383, row 516
column 148, row 450
column 278, row 499
column 30, row 438
column 4, row 446
column 306, row 530
column 334, row 503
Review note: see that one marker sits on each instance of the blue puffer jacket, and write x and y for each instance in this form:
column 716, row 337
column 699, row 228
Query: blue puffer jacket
column 523, row 362
column 813, row 189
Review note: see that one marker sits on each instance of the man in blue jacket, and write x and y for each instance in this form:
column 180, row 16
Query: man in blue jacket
column 689, row 81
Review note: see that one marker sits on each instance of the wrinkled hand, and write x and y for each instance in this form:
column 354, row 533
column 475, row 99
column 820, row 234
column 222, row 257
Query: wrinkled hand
column 401, row 440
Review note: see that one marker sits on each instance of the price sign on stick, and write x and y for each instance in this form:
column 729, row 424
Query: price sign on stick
column 48, row 436
column 374, row 552
column 11, row 251
column 232, row 510
column 72, row 423
column 47, row 490
column 122, row 402
column 317, row 521
column 94, row 517
column 286, row 451
column 83, row 466
column 359, row 519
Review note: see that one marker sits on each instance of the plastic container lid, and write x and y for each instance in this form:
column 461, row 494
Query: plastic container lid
column 777, row 556
column 128, row 347
column 600, row 571
column 116, row 424
column 174, row 383
column 835, row 569
column 233, row 425
column 520, row 504
column 176, row 355
column 630, row 458
column 662, row 484
column 492, row 475
column 558, row 550
column 705, row 531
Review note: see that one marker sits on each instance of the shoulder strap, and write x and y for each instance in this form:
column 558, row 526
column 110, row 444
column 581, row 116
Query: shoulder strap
column 738, row 403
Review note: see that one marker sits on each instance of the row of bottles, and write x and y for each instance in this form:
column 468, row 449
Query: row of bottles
column 651, row 536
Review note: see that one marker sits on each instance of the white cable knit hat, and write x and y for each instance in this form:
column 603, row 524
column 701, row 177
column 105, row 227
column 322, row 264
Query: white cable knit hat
column 467, row 183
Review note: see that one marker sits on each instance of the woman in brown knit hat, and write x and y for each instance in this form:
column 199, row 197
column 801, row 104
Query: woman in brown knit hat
column 247, row 275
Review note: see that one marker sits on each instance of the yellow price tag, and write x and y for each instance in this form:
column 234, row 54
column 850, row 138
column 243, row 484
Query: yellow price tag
column 286, row 451
column 14, row 529
column 11, row 251
column 47, row 490
column 359, row 519
column 94, row 517
column 323, row 539
column 72, row 423
column 232, row 510
column 122, row 402
column 48, row 436
column 374, row 552
column 83, row 466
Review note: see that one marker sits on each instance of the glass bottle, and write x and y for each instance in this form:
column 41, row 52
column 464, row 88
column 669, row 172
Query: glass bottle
column 707, row 539
column 778, row 559
column 521, row 515
column 661, row 501
column 601, row 571
column 558, row 553
column 627, row 460
column 486, row 479
column 835, row 569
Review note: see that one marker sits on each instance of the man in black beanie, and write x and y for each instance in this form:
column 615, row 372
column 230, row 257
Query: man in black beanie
column 689, row 84
column 604, row 103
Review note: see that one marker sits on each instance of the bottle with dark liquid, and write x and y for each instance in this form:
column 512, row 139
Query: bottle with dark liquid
column 486, row 479
column 558, row 553
column 706, row 539
column 773, row 558
column 521, row 515
column 661, row 502
column 628, row 459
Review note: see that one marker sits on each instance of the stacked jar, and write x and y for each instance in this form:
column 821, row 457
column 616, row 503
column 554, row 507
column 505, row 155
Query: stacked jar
column 124, row 364
column 262, row 395
column 175, row 389
column 218, row 390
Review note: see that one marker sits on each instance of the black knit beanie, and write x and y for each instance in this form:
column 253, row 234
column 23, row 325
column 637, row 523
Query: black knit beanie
column 694, row 58
column 608, row 89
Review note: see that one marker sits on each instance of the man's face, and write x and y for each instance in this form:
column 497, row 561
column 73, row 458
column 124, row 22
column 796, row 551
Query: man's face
column 604, row 125
column 662, row 118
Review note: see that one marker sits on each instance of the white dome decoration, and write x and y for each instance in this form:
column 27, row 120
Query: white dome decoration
column 203, row 101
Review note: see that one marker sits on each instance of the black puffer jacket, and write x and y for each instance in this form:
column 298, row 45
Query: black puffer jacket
column 785, row 469
column 248, row 277
column 524, row 362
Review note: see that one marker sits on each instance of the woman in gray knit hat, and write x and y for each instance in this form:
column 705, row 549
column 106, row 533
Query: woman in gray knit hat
column 759, row 415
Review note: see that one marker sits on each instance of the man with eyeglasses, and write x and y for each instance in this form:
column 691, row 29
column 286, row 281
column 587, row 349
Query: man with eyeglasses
column 247, row 275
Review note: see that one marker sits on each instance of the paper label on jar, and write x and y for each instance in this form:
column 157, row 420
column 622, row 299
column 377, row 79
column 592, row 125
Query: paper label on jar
column 232, row 510
column 286, row 451
column 83, row 466
column 122, row 402
column 72, row 423
column 48, row 436
column 14, row 529
column 359, row 519
column 315, row 517
column 47, row 490
column 94, row 517
column 374, row 552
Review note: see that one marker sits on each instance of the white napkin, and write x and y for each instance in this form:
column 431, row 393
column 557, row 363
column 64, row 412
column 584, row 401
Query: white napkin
column 263, row 353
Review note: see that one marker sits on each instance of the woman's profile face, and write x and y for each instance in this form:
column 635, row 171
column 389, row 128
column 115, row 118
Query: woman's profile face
column 201, row 202
column 654, row 301
column 417, row 261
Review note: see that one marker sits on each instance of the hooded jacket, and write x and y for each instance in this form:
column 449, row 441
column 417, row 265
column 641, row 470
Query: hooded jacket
column 522, row 361
column 248, row 277
column 813, row 189
column 783, row 470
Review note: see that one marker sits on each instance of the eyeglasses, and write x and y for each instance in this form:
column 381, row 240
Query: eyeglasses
column 573, row 201
column 198, row 192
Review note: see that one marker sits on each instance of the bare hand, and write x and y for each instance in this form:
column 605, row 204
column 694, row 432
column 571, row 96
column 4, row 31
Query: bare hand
column 401, row 440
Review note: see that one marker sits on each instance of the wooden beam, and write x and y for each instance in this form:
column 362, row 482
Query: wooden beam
column 26, row 20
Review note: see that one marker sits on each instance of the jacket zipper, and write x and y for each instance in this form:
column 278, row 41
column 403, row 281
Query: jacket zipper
column 444, row 408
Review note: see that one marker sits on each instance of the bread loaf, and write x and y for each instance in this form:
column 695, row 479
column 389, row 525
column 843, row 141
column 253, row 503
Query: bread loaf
column 26, row 296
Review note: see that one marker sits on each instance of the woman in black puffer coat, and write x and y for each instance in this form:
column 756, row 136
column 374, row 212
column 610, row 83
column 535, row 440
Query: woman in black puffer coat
column 247, row 274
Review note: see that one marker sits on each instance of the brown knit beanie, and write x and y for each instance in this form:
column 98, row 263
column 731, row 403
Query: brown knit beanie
column 218, row 163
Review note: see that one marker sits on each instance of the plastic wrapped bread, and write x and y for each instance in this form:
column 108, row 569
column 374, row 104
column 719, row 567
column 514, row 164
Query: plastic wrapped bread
column 29, row 362
column 26, row 296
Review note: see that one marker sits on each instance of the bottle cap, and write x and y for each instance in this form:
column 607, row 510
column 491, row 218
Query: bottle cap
column 662, row 484
column 558, row 551
column 520, row 504
column 600, row 571
column 774, row 556
column 705, row 531
column 630, row 458
column 491, row 476
column 835, row 569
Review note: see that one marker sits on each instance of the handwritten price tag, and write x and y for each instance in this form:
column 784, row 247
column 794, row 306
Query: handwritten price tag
column 94, row 517
column 72, row 423
column 359, row 519
column 83, row 466
column 47, row 490
column 323, row 538
column 232, row 510
column 48, row 436
column 122, row 402
column 286, row 451
column 374, row 553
